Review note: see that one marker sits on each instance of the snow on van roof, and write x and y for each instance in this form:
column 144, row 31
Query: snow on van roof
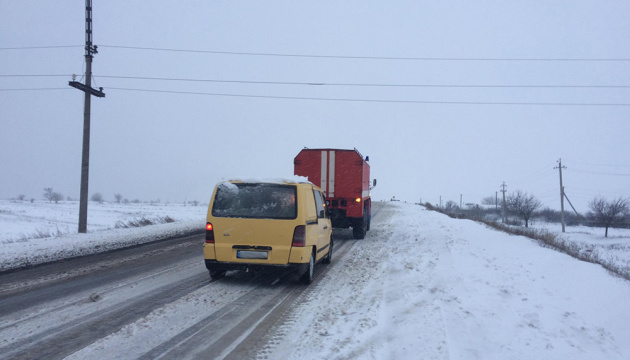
column 286, row 180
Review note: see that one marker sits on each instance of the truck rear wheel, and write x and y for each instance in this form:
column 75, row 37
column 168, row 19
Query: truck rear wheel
column 359, row 228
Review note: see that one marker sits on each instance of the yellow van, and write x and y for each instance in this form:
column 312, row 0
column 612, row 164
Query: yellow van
column 281, row 223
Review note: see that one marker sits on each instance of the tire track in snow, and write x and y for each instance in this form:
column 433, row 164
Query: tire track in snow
column 236, row 330
column 64, row 339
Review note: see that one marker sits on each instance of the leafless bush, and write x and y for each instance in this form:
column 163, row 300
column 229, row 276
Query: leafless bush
column 51, row 196
column 97, row 197
column 143, row 222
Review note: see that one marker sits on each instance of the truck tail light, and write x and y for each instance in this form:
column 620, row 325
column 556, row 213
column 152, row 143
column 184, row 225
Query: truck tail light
column 209, row 233
column 299, row 236
column 357, row 200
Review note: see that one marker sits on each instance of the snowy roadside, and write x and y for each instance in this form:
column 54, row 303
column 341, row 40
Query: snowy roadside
column 582, row 242
column 35, row 233
column 425, row 286
column 38, row 251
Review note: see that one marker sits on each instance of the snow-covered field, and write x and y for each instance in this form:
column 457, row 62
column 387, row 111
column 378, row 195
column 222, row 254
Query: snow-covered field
column 614, row 249
column 420, row 286
column 37, row 232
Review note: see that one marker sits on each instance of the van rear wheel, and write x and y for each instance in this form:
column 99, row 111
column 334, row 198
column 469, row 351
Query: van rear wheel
column 217, row 274
column 328, row 258
column 307, row 278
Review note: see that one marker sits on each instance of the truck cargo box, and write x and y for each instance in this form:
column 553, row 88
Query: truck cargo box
column 344, row 175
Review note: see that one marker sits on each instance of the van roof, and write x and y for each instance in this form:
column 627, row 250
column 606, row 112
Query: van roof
column 290, row 180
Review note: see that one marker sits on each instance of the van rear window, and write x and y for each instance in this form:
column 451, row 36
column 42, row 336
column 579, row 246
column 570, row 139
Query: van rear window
column 256, row 201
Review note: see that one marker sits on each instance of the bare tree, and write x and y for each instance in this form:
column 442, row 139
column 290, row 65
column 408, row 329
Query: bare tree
column 21, row 197
column 523, row 204
column 56, row 197
column 48, row 194
column 609, row 214
column 489, row 201
column 451, row 207
column 97, row 197
column 118, row 198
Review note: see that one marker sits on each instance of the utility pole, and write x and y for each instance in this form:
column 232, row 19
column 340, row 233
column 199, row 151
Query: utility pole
column 560, row 167
column 89, row 91
column 496, row 201
column 503, row 186
column 460, row 200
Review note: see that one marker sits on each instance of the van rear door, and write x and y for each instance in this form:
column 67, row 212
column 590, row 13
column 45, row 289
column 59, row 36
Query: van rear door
column 254, row 223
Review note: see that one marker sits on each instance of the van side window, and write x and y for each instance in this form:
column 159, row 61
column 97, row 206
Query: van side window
column 319, row 202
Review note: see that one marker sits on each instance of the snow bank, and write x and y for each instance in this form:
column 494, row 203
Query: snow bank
column 37, row 251
column 39, row 232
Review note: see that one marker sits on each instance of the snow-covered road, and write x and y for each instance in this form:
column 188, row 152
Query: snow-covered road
column 425, row 286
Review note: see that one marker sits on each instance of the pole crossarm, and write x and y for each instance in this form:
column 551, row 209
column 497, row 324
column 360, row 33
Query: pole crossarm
column 86, row 89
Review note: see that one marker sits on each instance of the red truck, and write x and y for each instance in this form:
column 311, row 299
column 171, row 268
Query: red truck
column 344, row 175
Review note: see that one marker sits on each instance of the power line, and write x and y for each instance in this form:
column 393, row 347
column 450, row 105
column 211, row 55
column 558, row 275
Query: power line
column 40, row 47
column 595, row 164
column 363, row 57
column 329, row 84
column 35, row 89
column 542, row 173
column 362, row 84
column 345, row 99
column 600, row 173
column 370, row 100
column 324, row 56
column 33, row 75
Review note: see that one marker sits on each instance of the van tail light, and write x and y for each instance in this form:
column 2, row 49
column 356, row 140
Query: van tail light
column 209, row 233
column 299, row 236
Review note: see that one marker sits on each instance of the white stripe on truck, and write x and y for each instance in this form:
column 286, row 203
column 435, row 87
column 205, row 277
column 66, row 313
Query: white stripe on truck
column 331, row 175
column 323, row 170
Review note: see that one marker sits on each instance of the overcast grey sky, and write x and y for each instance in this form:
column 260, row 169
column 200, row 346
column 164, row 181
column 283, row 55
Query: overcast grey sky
column 440, row 137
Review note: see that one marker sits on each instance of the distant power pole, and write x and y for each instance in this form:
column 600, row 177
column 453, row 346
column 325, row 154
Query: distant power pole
column 460, row 200
column 89, row 91
column 560, row 167
column 496, row 200
column 503, row 186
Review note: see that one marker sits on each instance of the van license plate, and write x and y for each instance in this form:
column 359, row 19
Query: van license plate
column 245, row 254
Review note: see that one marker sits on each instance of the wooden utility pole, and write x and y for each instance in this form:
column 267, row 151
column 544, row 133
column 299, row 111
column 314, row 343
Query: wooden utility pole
column 560, row 167
column 496, row 200
column 89, row 91
column 503, row 186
